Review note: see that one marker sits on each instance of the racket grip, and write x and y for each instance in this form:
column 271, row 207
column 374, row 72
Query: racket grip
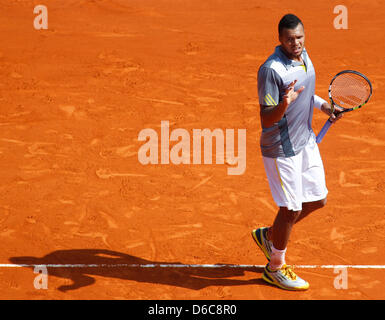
column 323, row 131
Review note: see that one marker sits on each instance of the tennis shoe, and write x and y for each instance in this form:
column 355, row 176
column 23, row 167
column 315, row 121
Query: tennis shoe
column 284, row 278
column 260, row 238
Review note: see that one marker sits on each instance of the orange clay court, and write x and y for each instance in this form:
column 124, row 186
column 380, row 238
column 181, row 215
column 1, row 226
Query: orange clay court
column 73, row 100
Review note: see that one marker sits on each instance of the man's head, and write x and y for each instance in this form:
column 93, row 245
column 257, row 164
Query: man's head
column 291, row 36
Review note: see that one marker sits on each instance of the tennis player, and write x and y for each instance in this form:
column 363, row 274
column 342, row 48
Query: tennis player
column 293, row 165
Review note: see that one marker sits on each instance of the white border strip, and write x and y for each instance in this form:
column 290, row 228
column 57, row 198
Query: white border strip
column 237, row 266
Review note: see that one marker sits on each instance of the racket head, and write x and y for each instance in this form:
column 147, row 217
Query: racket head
column 350, row 90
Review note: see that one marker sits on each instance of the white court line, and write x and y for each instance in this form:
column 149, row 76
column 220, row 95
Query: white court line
column 160, row 265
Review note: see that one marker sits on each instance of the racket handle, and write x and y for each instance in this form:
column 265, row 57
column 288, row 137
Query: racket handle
column 323, row 131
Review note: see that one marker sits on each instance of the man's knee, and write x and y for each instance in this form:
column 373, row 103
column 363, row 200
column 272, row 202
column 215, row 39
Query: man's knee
column 311, row 206
column 323, row 202
column 290, row 215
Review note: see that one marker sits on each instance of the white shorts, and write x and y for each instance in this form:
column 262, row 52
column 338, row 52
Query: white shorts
column 297, row 179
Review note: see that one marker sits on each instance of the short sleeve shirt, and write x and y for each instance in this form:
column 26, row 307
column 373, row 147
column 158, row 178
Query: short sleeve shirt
column 289, row 135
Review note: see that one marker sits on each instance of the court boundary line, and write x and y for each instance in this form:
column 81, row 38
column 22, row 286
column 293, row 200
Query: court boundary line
column 173, row 265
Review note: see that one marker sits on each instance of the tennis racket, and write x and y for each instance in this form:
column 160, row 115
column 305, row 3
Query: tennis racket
column 348, row 90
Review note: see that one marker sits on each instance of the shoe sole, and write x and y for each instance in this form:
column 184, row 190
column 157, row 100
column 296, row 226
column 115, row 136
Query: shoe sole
column 267, row 278
column 259, row 243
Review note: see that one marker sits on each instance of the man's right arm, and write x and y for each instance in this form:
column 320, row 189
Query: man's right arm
column 272, row 114
column 269, row 84
column 271, row 108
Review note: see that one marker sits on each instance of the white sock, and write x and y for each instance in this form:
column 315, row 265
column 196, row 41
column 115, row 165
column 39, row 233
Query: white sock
column 277, row 259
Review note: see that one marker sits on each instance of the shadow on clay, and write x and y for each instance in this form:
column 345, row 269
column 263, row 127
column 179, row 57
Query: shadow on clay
column 112, row 264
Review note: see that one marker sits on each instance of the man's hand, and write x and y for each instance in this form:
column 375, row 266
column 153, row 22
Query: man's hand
column 335, row 115
column 272, row 114
column 291, row 95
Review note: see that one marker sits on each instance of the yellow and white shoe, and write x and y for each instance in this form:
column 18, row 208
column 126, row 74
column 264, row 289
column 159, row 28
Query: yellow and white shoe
column 260, row 238
column 284, row 278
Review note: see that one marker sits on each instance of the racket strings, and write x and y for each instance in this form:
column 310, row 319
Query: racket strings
column 350, row 90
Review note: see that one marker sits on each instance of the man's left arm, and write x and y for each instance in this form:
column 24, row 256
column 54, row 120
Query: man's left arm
column 325, row 107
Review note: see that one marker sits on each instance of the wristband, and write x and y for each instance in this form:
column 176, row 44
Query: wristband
column 318, row 102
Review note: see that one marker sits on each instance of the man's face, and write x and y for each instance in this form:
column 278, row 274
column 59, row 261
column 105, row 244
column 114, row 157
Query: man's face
column 293, row 41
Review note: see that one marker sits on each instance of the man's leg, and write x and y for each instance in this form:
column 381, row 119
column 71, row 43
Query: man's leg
column 309, row 207
column 282, row 226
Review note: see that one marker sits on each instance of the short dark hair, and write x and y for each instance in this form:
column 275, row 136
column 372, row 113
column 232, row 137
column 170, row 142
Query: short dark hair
column 288, row 21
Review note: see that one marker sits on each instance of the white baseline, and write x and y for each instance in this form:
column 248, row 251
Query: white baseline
column 162, row 265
